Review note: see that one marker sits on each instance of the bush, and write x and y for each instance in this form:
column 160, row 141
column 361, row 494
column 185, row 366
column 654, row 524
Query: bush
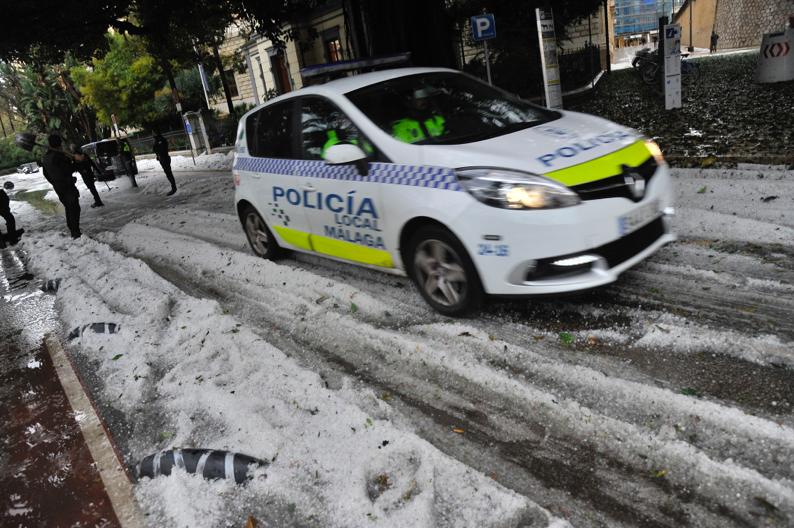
column 11, row 156
column 725, row 113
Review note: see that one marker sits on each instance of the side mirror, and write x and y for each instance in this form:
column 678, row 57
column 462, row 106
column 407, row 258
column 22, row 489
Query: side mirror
column 347, row 154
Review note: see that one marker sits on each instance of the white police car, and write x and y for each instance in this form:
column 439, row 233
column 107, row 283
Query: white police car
column 468, row 190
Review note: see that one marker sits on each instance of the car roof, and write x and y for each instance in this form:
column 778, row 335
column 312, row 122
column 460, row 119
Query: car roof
column 348, row 84
column 108, row 140
column 354, row 82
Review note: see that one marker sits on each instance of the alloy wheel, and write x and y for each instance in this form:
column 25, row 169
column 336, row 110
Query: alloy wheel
column 257, row 233
column 440, row 272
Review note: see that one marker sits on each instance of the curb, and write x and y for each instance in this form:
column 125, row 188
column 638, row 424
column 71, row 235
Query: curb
column 115, row 478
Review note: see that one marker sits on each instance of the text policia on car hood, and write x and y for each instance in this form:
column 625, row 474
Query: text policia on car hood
column 466, row 189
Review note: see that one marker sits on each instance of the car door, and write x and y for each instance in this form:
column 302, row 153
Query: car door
column 270, row 170
column 343, row 207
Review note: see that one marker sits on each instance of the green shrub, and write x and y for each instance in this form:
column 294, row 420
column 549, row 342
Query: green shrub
column 12, row 156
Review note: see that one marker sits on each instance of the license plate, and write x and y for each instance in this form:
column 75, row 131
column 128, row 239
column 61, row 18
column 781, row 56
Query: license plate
column 638, row 218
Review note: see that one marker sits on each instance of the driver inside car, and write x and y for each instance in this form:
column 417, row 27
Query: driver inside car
column 425, row 120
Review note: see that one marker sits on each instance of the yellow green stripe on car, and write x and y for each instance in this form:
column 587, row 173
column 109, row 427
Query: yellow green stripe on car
column 606, row 166
column 335, row 248
column 294, row 237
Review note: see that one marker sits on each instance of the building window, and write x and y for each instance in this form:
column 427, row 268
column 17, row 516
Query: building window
column 232, row 83
column 333, row 45
column 333, row 49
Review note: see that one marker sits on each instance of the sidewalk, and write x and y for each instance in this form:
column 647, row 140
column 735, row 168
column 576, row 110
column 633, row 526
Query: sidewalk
column 47, row 474
column 625, row 61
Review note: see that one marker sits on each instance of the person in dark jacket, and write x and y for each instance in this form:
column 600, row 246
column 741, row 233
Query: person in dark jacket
column 86, row 170
column 161, row 151
column 58, row 169
column 12, row 235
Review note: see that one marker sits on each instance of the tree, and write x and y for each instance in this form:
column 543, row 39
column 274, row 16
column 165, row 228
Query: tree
column 123, row 82
column 12, row 156
column 41, row 95
column 45, row 30
column 171, row 30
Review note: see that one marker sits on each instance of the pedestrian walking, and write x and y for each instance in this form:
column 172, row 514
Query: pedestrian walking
column 58, row 169
column 714, row 39
column 86, row 170
column 161, row 151
column 12, row 233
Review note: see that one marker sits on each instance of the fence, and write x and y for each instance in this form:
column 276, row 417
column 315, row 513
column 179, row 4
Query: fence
column 580, row 66
column 221, row 132
column 177, row 140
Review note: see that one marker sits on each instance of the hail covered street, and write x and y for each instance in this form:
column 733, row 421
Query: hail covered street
column 665, row 399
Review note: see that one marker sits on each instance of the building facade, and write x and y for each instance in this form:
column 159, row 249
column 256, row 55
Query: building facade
column 637, row 21
column 739, row 23
column 271, row 70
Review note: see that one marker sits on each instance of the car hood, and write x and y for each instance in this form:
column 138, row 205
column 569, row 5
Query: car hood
column 551, row 148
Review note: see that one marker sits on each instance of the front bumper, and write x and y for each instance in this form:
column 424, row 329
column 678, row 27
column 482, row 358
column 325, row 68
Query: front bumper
column 607, row 263
column 585, row 238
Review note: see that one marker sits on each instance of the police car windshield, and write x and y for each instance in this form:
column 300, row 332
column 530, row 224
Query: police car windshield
column 445, row 108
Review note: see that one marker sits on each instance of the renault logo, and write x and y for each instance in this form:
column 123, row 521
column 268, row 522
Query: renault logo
column 635, row 182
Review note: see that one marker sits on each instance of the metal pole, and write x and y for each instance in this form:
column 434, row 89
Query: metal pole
column 606, row 33
column 204, row 83
column 691, row 8
column 204, row 133
column 184, row 128
column 487, row 62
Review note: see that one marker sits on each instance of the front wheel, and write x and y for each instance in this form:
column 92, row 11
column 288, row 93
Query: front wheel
column 259, row 236
column 442, row 270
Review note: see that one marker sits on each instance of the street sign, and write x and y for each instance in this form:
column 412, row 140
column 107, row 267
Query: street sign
column 672, row 66
column 776, row 60
column 483, row 27
column 548, row 57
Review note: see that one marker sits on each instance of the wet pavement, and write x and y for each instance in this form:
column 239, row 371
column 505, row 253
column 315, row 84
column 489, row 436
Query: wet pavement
column 47, row 475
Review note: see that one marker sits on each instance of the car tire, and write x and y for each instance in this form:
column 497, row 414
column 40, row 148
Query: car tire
column 259, row 236
column 443, row 272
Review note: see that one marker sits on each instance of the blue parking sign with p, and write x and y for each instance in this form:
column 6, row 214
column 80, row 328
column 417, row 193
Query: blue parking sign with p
column 483, row 27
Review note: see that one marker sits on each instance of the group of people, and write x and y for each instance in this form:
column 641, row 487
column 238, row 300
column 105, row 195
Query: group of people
column 59, row 166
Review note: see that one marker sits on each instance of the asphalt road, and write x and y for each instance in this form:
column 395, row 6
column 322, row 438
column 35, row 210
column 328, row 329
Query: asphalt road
column 652, row 402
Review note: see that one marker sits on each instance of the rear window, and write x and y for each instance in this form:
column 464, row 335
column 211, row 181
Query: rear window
column 107, row 148
column 269, row 132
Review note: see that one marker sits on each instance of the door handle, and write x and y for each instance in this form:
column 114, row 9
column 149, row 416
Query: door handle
column 309, row 187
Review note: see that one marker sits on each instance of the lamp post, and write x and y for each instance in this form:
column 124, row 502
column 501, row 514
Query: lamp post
column 691, row 8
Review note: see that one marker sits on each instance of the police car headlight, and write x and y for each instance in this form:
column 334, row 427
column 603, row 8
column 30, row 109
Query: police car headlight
column 515, row 190
column 655, row 151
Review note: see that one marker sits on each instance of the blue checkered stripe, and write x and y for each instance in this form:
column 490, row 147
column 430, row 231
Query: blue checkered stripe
column 391, row 173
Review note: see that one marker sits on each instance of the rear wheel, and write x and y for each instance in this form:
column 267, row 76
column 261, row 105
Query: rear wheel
column 259, row 236
column 443, row 272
